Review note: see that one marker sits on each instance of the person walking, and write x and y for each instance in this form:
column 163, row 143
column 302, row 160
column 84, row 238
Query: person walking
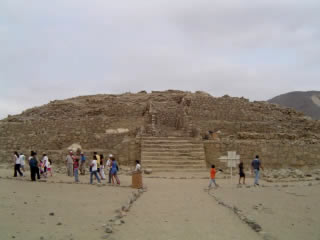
column 102, row 165
column 241, row 173
column 94, row 169
column 69, row 162
column 109, row 164
column 45, row 163
column 22, row 161
column 76, row 169
column 114, row 171
column 256, row 165
column 212, row 176
column 33, row 163
column 82, row 163
column 17, row 165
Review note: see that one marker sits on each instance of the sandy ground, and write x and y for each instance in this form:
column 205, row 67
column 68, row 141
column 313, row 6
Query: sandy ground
column 175, row 206
column 82, row 209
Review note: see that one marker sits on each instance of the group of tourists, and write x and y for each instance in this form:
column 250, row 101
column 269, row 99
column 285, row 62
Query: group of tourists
column 38, row 169
column 255, row 167
column 97, row 167
column 74, row 164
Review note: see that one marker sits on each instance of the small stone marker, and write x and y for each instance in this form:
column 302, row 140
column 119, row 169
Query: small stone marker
column 232, row 160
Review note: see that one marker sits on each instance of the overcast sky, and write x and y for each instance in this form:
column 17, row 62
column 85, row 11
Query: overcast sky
column 63, row 48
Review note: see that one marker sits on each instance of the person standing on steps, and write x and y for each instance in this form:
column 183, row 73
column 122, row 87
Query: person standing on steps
column 69, row 163
column 241, row 173
column 33, row 163
column 256, row 165
column 17, row 164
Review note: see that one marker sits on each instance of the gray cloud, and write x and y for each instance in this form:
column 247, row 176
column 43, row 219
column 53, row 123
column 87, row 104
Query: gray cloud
column 58, row 49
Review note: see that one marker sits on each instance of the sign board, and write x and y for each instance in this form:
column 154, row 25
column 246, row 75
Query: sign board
column 232, row 160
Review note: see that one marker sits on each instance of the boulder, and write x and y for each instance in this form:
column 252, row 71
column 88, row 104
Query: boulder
column 148, row 171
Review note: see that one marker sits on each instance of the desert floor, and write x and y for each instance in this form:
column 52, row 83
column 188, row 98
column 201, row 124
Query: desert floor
column 173, row 206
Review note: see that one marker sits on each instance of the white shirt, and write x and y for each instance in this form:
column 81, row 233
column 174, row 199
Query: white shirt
column 22, row 159
column 17, row 159
column 45, row 161
column 138, row 167
column 94, row 165
column 108, row 164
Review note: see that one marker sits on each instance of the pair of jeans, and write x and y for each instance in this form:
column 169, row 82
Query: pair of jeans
column 212, row 181
column 70, row 169
column 91, row 176
column 17, row 169
column 76, row 174
column 257, row 174
column 110, row 175
column 33, row 171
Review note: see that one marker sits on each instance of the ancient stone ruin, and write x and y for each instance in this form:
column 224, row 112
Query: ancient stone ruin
column 166, row 130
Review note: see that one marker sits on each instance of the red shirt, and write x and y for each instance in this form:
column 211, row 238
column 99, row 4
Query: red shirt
column 75, row 164
column 213, row 173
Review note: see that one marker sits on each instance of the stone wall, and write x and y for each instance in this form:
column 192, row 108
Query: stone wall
column 273, row 153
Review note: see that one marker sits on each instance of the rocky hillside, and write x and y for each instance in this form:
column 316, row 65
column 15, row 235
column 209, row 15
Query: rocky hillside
column 306, row 102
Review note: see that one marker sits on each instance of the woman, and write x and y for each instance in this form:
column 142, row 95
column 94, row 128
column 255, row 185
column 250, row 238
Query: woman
column 114, row 170
column 94, row 168
column 102, row 164
column 17, row 165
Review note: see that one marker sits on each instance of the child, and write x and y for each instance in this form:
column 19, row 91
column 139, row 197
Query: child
column 241, row 173
column 76, row 169
column 50, row 167
column 213, row 176
column 41, row 168
column 138, row 166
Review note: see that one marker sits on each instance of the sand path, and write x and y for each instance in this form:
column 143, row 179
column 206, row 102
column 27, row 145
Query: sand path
column 181, row 209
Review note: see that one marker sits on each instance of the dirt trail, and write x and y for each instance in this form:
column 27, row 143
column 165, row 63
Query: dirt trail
column 181, row 209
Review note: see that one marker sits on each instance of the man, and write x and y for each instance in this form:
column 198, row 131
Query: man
column 256, row 165
column 82, row 163
column 69, row 162
column 33, row 163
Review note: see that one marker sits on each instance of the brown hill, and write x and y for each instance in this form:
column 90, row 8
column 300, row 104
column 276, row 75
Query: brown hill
column 120, row 124
column 306, row 102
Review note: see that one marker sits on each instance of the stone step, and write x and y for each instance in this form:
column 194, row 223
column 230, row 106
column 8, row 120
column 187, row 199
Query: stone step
column 171, row 142
column 173, row 166
column 168, row 138
column 184, row 144
column 148, row 162
column 173, row 153
column 177, row 147
column 168, row 158
column 156, row 150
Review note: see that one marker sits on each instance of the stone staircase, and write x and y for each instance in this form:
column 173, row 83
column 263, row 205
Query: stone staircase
column 164, row 154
